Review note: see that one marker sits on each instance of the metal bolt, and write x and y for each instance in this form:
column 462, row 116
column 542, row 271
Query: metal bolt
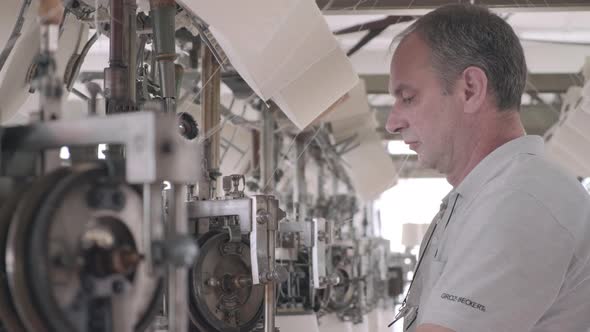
column 94, row 198
column 118, row 199
column 87, row 285
column 262, row 216
column 166, row 147
column 212, row 282
column 117, row 286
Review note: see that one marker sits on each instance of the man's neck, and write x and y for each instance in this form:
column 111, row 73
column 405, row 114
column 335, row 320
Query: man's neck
column 486, row 138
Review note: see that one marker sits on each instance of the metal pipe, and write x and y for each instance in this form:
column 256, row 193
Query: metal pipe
column 117, row 76
column 152, row 212
column 266, row 175
column 178, row 75
column 270, row 287
column 47, row 81
column 131, row 49
column 51, row 12
column 321, row 178
column 267, row 151
column 255, row 152
column 116, row 42
column 210, row 119
column 299, row 185
column 177, row 275
column 163, row 13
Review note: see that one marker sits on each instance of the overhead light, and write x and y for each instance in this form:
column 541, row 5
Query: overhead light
column 64, row 153
column 101, row 150
column 397, row 148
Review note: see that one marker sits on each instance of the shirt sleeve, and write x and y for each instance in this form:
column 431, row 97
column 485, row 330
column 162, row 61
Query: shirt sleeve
column 505, row 269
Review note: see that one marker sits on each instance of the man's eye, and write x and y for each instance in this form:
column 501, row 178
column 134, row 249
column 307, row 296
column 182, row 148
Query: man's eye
column 407, row 100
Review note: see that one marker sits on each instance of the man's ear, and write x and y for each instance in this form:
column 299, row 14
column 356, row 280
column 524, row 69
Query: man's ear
column 474, row 88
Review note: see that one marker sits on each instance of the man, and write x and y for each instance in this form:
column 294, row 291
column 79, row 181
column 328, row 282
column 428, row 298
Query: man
column 510, row 249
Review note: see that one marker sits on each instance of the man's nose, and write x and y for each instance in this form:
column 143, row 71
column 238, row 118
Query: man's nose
column 395, row 122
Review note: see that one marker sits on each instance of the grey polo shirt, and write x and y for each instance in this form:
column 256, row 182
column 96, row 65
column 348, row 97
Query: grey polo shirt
column 511, row 250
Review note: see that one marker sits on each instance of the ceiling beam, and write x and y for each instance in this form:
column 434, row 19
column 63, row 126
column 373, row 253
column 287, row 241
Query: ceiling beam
column 418, row 7
column 536, row 83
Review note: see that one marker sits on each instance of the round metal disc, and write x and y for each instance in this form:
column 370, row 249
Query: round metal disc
column 9, row 319
column 18, row 241
column 64, row 218
column 221, row 308
column 341, row 295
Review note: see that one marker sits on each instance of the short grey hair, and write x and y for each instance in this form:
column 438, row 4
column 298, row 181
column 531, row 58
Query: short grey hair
column 464, row 35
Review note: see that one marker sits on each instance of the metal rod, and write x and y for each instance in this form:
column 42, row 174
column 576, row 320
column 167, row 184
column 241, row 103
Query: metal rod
column 210, row 118
column 152, row 212
column 321, row 178
column 270, row 288
column 299, row 185
column 163, row 13
column 131, row 49
column 255, row 152
column 48, row 82
column 51, row 12
column 177, row 275
column 267, row 151
column 267, row 165
column 119, row 77
column 116, row 42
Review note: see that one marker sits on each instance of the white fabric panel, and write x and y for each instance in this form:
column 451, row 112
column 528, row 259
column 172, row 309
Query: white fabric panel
column 284, row 51
column 567, row 141
column 371, row 169
column 234, row 161
column 352, row 115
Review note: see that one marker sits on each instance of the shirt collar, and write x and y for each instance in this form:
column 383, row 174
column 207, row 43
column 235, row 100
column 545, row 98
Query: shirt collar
column 494, row 162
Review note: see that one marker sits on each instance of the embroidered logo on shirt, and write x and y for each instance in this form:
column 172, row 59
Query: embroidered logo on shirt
column 464, row 301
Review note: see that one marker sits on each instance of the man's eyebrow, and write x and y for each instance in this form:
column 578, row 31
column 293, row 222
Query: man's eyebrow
column 401, row 87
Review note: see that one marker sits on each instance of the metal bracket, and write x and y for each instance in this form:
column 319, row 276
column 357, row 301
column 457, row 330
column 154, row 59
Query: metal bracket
column 154, row 149
column 318, row 252
column 241, row 208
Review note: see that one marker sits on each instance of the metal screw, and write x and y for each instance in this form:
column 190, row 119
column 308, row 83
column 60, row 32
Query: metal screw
column 166, row 147
column 118, row 199
column 117, row 286
column 212, row 282
column 94, row 198
column 87, row 285
column 262, row 216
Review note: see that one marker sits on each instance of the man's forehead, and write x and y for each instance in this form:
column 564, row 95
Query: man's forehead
column 410, row 59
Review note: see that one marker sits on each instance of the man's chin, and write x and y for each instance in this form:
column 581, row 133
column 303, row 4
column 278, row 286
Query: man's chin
column 424, row 163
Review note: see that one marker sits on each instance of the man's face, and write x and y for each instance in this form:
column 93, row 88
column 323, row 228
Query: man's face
column 424, row 116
